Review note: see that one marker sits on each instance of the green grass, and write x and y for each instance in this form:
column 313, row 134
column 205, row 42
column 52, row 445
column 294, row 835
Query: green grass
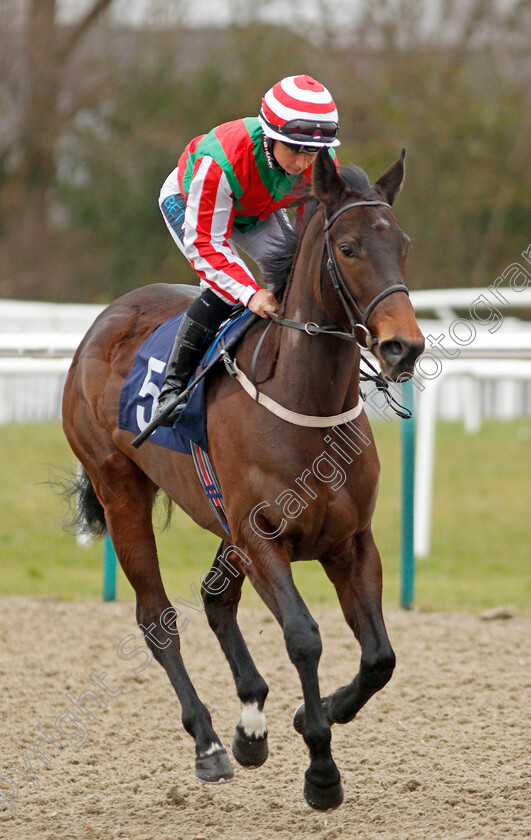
column 480, row 553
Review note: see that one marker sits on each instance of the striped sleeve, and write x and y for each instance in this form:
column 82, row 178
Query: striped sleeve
column 207, row 226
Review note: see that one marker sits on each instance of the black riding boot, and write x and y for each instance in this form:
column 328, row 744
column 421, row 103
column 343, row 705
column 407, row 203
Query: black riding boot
column 190, row 342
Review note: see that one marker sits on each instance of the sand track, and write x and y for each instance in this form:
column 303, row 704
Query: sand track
column 441, row 752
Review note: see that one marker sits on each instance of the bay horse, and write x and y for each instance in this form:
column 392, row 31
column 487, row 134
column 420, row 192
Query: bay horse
column 348, row 270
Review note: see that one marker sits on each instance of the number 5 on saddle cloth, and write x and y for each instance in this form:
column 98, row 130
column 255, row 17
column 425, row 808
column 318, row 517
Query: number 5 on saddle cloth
column 138, row 400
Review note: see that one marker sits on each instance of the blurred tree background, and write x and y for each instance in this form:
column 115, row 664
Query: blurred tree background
column 98, row 99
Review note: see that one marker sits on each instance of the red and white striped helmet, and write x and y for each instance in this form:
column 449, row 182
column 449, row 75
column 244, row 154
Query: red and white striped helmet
column 299, row 110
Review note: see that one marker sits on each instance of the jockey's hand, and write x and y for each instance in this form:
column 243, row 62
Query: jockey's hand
column 262, row 302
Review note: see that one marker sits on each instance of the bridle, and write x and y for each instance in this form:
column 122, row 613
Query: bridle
column 349, row 302
column 357, row 318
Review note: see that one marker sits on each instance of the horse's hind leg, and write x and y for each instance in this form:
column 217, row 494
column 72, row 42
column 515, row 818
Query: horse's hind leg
column 356, row 573
column 127, row 495
column 221, row 597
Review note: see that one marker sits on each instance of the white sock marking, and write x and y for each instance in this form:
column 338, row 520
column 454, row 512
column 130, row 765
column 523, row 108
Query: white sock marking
column 253, row 721
column 213, row 748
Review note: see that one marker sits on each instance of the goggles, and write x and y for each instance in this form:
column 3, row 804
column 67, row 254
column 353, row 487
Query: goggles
column 305, row 131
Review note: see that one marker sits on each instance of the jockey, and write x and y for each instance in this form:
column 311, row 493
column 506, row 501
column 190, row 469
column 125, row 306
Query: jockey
column 230, row 188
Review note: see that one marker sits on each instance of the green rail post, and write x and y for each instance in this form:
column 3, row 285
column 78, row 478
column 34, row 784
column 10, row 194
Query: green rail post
column 407, row 557
column 109, row 569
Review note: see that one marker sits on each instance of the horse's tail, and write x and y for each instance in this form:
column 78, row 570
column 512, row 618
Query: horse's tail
column 86, row 512
column 91, row 516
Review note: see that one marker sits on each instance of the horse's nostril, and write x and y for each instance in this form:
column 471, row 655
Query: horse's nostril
column 400, row 351
column 392, row 351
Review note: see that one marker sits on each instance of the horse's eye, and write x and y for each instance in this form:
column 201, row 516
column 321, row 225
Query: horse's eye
column 348, row 250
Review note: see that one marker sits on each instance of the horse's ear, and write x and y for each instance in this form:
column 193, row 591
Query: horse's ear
column 326, row 183
column 391, row 181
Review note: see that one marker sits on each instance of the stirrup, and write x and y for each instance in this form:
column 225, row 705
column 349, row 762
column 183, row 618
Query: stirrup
column 174, row 415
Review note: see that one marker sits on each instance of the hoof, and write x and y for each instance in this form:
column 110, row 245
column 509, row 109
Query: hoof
column 214, row 768
column 249, row 752
column 323, row 799
column 298, row 717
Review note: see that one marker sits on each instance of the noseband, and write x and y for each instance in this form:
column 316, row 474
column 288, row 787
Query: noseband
column 357, row 318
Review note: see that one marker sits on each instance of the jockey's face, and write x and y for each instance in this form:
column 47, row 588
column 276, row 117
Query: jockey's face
column 291, row 160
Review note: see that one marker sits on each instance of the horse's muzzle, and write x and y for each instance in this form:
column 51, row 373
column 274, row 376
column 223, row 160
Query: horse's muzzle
column 399, row 355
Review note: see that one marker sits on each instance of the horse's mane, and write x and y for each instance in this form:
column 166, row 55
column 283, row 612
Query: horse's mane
column 280, row 262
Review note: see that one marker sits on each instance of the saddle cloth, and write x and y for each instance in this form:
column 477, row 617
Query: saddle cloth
column 138, row 398
column 138, row 401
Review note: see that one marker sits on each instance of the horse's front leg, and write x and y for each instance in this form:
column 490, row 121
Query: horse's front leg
column 270, row 574
column 356, row 572
column 221, row 599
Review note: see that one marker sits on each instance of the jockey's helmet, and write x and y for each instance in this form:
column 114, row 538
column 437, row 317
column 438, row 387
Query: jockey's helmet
column 299, row 111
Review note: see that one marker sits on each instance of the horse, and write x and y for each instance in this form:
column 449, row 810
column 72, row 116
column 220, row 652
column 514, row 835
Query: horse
column 346, row 283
